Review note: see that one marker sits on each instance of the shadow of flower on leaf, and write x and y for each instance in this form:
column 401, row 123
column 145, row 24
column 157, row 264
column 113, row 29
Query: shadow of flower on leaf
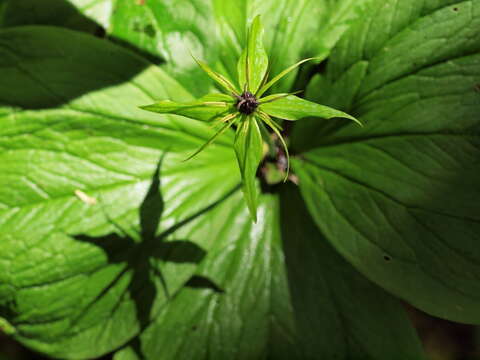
column 141, row 253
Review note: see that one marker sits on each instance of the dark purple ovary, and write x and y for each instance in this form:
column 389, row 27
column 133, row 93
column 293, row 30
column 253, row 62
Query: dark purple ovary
column 247, row 103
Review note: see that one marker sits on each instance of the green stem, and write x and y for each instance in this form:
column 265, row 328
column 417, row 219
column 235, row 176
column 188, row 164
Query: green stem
column 272, row 148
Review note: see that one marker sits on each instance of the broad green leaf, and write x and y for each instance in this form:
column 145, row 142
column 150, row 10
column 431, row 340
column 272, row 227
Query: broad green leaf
column 253, row 63
column 46, row 12
column 208, row 108
column 237, row 304
column 166, row 32
column 307, row 28
column 339, row 314
column 94, row 239
column 400, row 197
column 3, row 4
column 79, row 279
column 277, row 290
column 100, row 11
column 216, row 31
column 171, row 31
column 292, row 107
column 249, row 150
column 335, row 20
column 339, row 95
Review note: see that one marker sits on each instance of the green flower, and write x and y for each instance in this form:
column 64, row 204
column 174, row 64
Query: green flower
column 248, row 109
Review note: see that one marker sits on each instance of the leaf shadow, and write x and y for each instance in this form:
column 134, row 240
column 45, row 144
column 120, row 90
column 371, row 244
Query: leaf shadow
column 46, row 12
column 141, row 253
column 59, row 82
column 60, row 13
column 202, row 282
column 154, row 59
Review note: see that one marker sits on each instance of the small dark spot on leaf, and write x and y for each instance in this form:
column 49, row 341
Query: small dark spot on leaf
column 194, row 327
column 477, row 87
column 455, row 9
column 387, row 258
column 149, row 30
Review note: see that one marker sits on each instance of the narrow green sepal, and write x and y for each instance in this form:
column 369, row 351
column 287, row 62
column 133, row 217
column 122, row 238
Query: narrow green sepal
column 218, row 78
column 275, row 127
column 228, row 120
column 275, row 97
column 277, row 78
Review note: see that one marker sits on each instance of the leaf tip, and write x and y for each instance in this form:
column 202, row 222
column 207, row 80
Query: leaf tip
column 200, row 63
column 6, row 327
column 191, row 54
column 257, row 20
column 252, row 208
column 358, row 122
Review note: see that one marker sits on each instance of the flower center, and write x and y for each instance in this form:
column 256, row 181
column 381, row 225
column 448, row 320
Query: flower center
column 247, row 103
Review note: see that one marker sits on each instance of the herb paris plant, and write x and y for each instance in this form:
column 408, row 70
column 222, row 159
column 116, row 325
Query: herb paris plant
column 246, row 107
column 371, row 203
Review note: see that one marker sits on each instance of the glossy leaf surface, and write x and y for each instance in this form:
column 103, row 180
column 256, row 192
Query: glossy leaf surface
column 109, row 240
column 213, row 30
column 296, row 298
column 399, row 198
column 95, row 239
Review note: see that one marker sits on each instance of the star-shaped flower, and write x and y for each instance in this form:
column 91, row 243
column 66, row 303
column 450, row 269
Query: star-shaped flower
column 248, row 109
